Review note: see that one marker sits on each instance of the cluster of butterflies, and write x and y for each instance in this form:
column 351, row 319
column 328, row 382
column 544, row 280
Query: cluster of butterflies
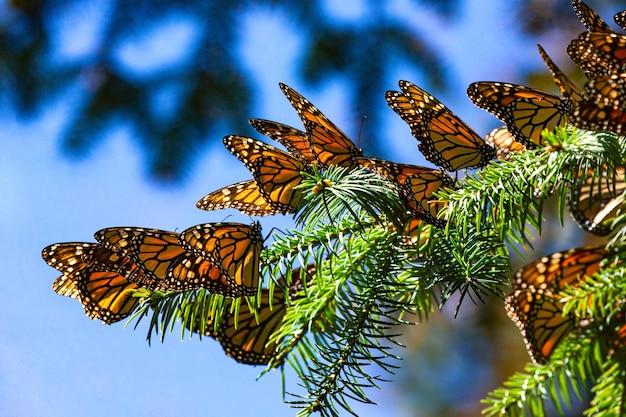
column 223, row 258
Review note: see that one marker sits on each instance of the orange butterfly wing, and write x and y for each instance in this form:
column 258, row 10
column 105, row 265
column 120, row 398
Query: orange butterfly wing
column 504, row 142
column 247, row 337
column 525, row 111
column 162, row 256
column 416, row 186
column 605, row 108
column 535, row 306
column 97, row 277
column 444, row 139
column 592, row 21
column 244, row 196
column 296, row 141
column 234, row 247
column 275, row 171
column 328, row 143
column 566, row 86
column 594, row 200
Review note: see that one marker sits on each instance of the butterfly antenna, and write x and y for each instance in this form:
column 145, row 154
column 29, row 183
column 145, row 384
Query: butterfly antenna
column 358, row 138
column 230, row 215
column 274, row 229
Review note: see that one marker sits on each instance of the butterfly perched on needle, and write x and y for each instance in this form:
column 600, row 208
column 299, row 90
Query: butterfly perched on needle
column 271, row 191
column 229, row 268
column 247, row 336
column 102, row 280
column 328, row 143
column 445, row 140
column 605, row 106
column 526, row 111
column 535, row 305
column 275, row 171
column 416, row 185
column 234, row 247
column 596, row 199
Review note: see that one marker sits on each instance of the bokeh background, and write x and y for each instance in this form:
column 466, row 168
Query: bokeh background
column 112, row 114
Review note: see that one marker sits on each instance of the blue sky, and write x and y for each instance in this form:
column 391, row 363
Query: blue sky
column 54, row 361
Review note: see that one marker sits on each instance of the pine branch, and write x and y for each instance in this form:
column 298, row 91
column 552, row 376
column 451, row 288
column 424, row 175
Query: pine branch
column 525, row 393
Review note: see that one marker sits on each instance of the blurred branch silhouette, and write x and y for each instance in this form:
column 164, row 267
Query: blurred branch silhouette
column 211, row 86
column 209, row 90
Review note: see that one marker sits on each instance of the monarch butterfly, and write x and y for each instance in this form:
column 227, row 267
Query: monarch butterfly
column 445, row 139
column 596, row 199
column 416, row 185
column 525, row 111
column 296, row 141
column 276, row 172
column 599, row 53
column 592, row 21
column 246, row 337
column 234, row 247
column 328, row 143
column 164, row 259
column 99, row 278
column 566, row 86
column 582, row 54
column 505, row 144
column 620, row 19
column 606, row 107
column 244, row 196
column 535, row 305
column 609, row 90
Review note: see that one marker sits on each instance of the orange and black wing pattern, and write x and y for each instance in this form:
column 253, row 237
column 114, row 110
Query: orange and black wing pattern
column 246, row 336
column 525, row 111
column 296, row 141
column 445, row 140
column 596, row 199
column 275, row 171
column 233, row 247
column 605, row 108
column 100, row 279
column 592, row 20
column 244, row 196
column 566, row 86
column 599, row 53
column 416, row 186
column 504, row 143
column 161, row 255
column 327, row 142
column 620, row 19
column 535, row 305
